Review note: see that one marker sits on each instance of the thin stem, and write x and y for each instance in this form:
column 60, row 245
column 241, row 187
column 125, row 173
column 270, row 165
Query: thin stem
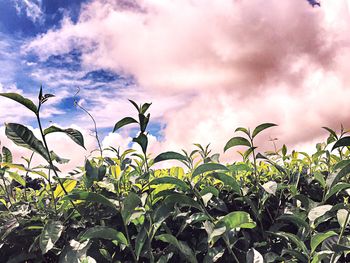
column 50, row 159
column 95, row 127
column 341, row 235
column 26, row 176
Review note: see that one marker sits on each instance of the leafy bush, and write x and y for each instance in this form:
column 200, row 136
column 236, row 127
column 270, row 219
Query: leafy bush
column 275, row 207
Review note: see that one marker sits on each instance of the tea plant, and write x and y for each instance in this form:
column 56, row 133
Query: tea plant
column 276, row 206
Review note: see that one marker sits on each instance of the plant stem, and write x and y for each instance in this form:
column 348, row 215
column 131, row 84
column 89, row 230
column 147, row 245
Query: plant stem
column 50, row 160
column 26, row 176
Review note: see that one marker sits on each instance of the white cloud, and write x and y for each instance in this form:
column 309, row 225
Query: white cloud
column 32, row 9
column 210, row 66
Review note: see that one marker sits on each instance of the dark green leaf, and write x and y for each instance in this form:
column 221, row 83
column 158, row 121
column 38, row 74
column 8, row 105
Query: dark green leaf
column 242, row 129
column 90, row 197
column 140, row 241
column 319, row 238
column 20, row 99
column 74, row 134
column 343, row 172
column 262, row 127
column 180, row 245
column 284, row 150
column 237, row 141
column 128, row 206
column 345, row 141
column 49, row 235
column 135, row 105
column 104, row 233
column 145, row 107
column 293, row 238
column 123, row 122
column 6, row 155
column 208, row 167
column 143, row 122
column 336, row 189
column 228, row 180
column 142, row 141
column 296, row 220
column 169, row 156
column 24, row 137
column 181, row 199
column 332, row 132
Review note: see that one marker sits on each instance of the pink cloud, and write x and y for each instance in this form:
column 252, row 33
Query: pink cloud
column 222, row 63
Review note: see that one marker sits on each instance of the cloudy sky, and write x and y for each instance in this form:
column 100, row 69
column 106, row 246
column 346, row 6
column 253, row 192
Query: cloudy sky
column 207, row 66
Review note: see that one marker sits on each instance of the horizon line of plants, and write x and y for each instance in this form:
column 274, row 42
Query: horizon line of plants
column 271, row 207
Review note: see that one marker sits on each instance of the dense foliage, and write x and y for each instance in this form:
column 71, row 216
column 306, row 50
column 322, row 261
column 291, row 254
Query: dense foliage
column 278, row 206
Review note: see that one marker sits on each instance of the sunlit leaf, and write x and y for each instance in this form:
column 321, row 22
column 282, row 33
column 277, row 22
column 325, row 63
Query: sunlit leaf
column 237, row 219
column 68, row 186
column 254, row 256
column 318, row 211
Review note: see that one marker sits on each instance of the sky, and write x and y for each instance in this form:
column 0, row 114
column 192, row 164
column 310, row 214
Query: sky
column 207, row 66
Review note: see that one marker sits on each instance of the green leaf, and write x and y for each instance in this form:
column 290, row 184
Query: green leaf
column 22, row 100
column 170, row 180
column 181, row 199
column 208, row 167
column 319, row 238
column 24, row 137
column 49, row 235
column 228, row 180
column 17, row 178
column 336, row 189
column 296, row 220
column 237, row 219
column 68, row 185
column 236, row 141
column 104, row 233
column 91, row 197
column 343, row 172
column 293, row 238
column 169, row 156
column 143, row 122
column 180, row 245
column 142, row 141
column 123, row 122
column 6, row 155
column 345, row 141
column 145, row 107
column 254, row 256
column 140, row 241
column 242, row 129
column 333, row 133
column 55, row 157
column 74, row 134
column 135, row 105
column 214, row 254
column 128, row 206
column 284, row 150
column 262, row 127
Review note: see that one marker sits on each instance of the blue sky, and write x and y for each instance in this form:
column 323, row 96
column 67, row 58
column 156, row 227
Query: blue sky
column 207, row 66
column 62, row 74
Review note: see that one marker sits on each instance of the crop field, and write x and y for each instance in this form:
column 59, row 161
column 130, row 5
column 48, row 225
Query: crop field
column 277, row 206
